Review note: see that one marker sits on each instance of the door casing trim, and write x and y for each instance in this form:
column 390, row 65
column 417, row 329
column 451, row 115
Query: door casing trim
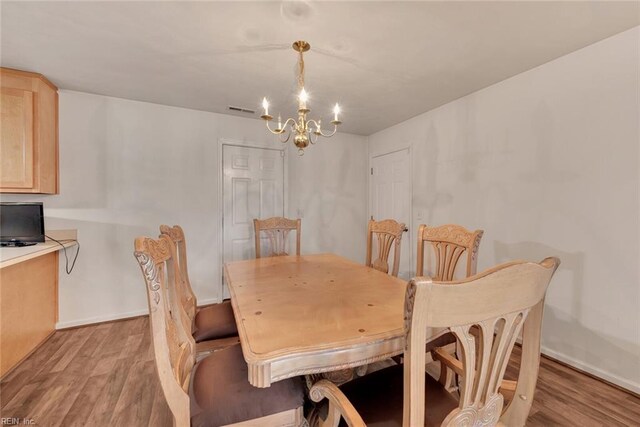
column 411, row 231
column 285, row 199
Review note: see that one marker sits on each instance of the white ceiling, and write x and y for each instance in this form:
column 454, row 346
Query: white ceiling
column 383, row 61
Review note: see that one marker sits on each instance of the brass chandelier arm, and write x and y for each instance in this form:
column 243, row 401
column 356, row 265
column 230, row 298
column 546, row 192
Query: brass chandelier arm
column 285, row 140
column 290, row 122
column 283, row 129
column 319, row 132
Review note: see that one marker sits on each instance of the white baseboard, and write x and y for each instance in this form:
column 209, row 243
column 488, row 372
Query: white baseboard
column 622, row 382
column 208, row 301
column 100, row 319
column 118, row 316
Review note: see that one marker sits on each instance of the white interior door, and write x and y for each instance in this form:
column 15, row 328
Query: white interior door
column 391, row 198
column 253, row 187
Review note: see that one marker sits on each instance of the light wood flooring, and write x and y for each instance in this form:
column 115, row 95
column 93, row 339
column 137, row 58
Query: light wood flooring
column 104, row 375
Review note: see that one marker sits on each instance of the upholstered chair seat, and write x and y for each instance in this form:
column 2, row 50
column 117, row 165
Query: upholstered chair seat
column 221, row 395
column 214, row 322
column 378, row 398
column 210, row 323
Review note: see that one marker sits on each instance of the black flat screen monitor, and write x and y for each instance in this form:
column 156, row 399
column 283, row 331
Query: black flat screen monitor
column 21, row 223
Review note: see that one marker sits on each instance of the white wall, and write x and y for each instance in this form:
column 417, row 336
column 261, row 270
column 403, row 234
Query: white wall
column 127, row 166
column 328, row 189
column 547, row 163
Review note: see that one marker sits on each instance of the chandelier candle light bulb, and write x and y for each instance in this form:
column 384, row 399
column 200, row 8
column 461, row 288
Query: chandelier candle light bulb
column 265, row 105
column 302, row 128
column 303, row 99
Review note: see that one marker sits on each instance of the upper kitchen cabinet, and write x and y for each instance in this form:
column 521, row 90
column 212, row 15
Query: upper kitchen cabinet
column 29, row 133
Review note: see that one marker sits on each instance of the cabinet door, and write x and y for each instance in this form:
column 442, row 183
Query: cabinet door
column 16, row 143
column 28, row 307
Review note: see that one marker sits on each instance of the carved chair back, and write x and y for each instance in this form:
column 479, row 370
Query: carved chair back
column 174, row 347
column 499, row 303
column 277, row 231
column 449, row 243
column 388, row 235
column 185, row 291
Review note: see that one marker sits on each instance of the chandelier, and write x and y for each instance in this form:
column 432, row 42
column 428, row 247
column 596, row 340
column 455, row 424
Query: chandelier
column 304, row 131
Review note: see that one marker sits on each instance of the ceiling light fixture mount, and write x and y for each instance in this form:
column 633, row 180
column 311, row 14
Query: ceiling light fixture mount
column 305, row 131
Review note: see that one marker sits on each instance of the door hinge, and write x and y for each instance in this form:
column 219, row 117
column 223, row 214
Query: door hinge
column 371, row 171
column 281, row 153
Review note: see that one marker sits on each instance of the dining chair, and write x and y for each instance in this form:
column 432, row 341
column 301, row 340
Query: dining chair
column 388, row 235
column 213, row 326
column 277, row 231
column 500, row 303
column 449, row 243
column 213, row 391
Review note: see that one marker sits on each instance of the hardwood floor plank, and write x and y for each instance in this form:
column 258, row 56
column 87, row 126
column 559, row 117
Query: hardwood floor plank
column 23, row 373
column 64, row 352
column 550, row 418
column 580, row 414
column 116, row 333
column 103, row 409
column 73, row 350
column 105, row 365
column 105, row 375
column 13, row 388
column 55, row 386
column 72, row 379
column 131, row 345
column 136, row 400
column 26, row 408
column 44, row 411
column 160, row 412
column 79, row 412
column 8, row 410
column 559, row 385
column 97, row 338
column 577, row 392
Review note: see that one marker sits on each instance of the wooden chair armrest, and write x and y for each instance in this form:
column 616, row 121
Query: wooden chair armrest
column 450, row 361
column 339, row 405
column 508, row 388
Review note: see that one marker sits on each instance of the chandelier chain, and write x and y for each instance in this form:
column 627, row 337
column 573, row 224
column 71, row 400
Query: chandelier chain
column 300, row 71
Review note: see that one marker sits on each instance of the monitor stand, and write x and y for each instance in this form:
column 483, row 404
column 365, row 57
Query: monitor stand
column 16, row 244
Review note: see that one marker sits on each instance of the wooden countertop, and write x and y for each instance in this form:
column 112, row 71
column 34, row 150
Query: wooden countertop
column 14, row 255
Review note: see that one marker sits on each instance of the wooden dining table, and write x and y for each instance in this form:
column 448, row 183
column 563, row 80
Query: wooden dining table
column 300, row 315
